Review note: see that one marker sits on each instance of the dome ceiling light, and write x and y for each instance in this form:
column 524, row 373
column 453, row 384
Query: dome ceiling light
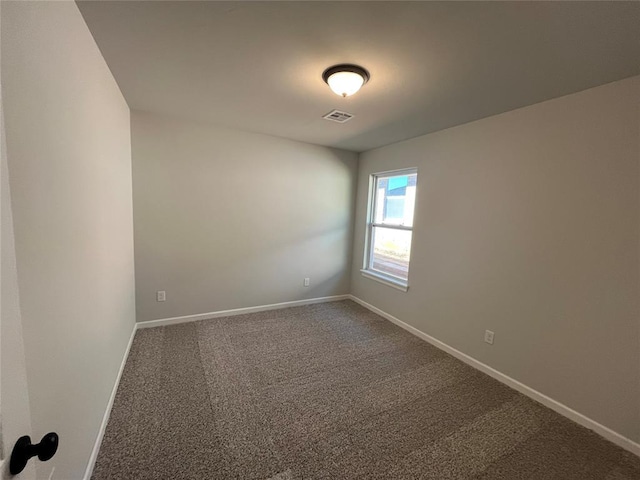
column 345, row 79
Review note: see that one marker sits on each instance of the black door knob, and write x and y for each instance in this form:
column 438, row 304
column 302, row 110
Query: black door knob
column 23, row 450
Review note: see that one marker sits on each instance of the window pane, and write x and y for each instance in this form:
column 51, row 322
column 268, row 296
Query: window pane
column 391, row 249
column 395, row 197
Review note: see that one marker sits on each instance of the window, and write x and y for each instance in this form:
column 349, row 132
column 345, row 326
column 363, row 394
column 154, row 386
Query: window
column 389, row 227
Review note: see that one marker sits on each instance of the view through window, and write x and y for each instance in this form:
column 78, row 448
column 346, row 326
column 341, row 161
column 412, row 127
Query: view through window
column 390, row 225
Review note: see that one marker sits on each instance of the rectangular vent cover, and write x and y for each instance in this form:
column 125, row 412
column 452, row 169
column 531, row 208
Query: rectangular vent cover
column 338, row 116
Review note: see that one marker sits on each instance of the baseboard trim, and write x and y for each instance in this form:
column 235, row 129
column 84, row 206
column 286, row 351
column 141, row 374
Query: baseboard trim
column 105, row 419
column 162, row 322
column 549, row 402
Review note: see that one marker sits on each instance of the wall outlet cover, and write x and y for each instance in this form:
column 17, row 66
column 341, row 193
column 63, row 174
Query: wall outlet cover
column 488, row 336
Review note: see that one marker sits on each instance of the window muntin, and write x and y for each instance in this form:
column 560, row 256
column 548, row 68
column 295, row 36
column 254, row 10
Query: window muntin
column 390, row 225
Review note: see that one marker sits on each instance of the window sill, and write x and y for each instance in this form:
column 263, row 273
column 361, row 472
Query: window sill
column 385, row 280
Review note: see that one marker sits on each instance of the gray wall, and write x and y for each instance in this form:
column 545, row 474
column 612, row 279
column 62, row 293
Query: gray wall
column 527, row 224
column 227, row 219
column 69, row 156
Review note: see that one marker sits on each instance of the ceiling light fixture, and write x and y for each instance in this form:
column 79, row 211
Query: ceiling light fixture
column 345, row 79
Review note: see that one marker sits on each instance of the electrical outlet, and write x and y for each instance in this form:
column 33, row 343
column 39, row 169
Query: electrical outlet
column 488, row 337
column 306, row 282
column 161, row 296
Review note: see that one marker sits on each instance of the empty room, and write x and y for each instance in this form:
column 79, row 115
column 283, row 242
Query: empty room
column 320, row 240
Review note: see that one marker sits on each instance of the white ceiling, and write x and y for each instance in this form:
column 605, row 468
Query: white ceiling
column 257, row 66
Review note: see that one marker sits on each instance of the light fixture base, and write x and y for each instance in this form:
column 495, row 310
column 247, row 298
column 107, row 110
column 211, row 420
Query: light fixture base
column 345, row 67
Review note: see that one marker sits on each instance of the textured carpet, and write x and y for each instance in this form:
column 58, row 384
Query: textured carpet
column 330, row 391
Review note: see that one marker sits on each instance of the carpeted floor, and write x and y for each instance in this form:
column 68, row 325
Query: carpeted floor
column 330, row 391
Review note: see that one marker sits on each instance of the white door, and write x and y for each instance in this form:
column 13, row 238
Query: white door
column 15, row 419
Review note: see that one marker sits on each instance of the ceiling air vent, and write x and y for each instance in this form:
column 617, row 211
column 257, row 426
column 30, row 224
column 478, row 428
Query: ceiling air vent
column 338, row 116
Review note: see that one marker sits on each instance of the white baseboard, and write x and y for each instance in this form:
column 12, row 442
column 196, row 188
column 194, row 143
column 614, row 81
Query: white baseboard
column 554, row 405
column 105, row 419
column 549, row 402
column 237, row 311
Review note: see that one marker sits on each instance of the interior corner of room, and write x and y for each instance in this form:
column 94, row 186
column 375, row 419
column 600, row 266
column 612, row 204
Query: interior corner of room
column 117, row 218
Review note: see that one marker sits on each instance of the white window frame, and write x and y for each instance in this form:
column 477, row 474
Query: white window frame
column 367, row 270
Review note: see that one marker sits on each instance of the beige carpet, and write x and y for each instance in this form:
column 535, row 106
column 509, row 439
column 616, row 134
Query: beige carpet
column 330, row 391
